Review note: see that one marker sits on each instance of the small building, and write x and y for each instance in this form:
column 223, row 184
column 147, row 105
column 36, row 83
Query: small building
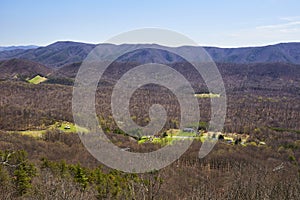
column 125, row 149
column 221, row 137
column 188, row 130
column 67, row 127
column 228, row 141
column 261, row 143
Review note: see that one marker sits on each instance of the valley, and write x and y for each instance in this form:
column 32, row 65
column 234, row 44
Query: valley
column 257, row 153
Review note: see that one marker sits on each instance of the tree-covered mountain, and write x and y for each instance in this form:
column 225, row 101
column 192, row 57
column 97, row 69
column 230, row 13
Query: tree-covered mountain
column 64, row 53
column 19, row 69
column 9, row 48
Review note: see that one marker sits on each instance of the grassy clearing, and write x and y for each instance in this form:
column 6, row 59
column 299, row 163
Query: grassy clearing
column 142, row 141
column 173, row 135
column 35, row 134
column 207, row 95
column 70, row 128
column 186, row 134
column 64, row 127
column 37, row 79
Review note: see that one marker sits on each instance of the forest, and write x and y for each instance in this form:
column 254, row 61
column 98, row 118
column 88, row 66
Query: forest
column 262, row 102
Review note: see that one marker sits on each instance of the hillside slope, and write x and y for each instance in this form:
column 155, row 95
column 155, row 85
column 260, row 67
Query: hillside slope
column 17, row 68
column 63, row 53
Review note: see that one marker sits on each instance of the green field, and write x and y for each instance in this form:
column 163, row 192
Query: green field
column 176, row 135
column 65, row 127
column 168, row 140
column 207, row 95
column 70, row 127
column 37, row 79
column 35, row 133
column 172, row 135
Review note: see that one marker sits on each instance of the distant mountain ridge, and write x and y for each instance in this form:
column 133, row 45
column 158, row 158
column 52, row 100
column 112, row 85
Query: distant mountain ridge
column 65, row 53
column 9, row 48
column 283, row 53
column 53, row 55
column 237, row 76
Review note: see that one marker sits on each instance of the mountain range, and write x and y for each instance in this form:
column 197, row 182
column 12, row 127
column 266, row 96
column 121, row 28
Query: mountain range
column 273, row 66
column 64, row 53
column 9, row 48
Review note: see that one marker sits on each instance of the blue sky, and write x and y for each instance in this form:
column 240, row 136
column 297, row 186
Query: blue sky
column 223, row 23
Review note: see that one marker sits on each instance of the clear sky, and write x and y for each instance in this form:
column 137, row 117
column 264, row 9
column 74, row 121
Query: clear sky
column 223, row 23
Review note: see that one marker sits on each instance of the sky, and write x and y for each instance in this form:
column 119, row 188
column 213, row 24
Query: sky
column 221, row 23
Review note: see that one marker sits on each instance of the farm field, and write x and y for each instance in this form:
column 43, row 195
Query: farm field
column 173, row 135
column 63, row 127
column 207, row 95
column 37, row 79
